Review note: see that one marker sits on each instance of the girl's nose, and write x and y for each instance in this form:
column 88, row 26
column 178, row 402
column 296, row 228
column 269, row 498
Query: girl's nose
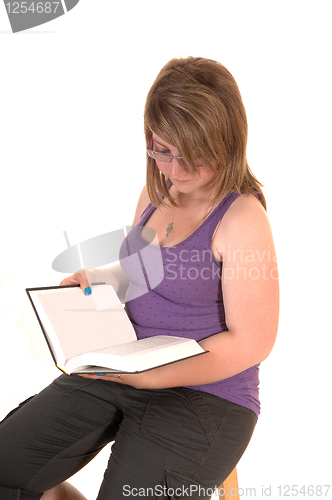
column 177, row 168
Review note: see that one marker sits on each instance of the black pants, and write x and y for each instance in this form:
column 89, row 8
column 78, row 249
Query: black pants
column 168, row 442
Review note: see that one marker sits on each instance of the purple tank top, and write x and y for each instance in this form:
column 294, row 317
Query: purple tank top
column 186, row 300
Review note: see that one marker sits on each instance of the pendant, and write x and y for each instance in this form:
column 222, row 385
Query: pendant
column 169, row 229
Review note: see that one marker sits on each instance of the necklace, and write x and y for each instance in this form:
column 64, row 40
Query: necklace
column 170, row 226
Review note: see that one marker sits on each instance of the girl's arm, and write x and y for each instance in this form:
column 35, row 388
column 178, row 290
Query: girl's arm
column 251, row 300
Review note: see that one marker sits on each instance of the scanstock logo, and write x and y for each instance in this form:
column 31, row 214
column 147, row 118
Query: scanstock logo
column 141, row 259
column 28, row 14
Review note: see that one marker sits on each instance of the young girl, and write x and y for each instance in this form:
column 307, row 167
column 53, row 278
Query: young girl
column 180, row 429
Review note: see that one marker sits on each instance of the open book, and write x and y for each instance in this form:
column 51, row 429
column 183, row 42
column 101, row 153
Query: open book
column 93, row 334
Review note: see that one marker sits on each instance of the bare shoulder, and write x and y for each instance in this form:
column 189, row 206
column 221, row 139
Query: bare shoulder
column 245, row 208
column 142, row 203
column 244, row 224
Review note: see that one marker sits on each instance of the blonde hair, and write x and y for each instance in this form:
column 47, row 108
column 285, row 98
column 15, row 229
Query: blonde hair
column 195, row 104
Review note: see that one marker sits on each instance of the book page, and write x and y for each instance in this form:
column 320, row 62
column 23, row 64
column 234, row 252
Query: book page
column 139, row 355
column 78, row 325
column 149, row 344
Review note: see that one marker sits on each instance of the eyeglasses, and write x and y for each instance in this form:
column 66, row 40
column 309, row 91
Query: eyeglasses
column 166, row 157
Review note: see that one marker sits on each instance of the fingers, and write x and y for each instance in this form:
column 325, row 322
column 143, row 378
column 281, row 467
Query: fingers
column 69, row 281
column 109, row 377
column 79, row 278
column 85, row 283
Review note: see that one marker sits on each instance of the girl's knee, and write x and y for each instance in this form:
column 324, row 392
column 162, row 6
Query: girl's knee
column 64, row 491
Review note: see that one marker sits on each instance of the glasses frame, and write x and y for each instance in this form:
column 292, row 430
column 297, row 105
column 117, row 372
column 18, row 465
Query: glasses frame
column 153, row 155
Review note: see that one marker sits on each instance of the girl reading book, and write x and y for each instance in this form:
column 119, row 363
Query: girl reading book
column 178, row 429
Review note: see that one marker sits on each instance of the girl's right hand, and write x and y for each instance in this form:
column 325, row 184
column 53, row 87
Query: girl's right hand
column 79, row 278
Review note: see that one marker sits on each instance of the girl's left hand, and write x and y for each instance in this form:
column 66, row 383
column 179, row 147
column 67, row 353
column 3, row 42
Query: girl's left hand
column 135, row 380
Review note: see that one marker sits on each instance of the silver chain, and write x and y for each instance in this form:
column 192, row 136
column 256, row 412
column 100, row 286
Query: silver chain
column 170, row 226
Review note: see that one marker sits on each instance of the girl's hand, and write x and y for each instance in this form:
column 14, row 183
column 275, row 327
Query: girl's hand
column 79, row 278
column 137, row 380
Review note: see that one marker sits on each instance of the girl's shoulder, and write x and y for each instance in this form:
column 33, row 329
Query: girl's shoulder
column 143, row 202
column 245, row 223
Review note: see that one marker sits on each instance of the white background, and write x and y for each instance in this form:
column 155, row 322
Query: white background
column 72, row 158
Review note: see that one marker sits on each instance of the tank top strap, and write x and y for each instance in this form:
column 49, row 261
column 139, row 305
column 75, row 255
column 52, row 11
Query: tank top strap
column 212, row 220
column 146, row 213
column 218, row 213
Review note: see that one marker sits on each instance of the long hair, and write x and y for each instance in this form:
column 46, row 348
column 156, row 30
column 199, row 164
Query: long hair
column 195, row 104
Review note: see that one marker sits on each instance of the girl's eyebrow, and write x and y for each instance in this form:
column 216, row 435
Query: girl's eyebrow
column 160, row 144
column 158, row 141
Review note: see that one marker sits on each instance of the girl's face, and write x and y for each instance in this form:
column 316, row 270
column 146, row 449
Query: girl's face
column 181, row 175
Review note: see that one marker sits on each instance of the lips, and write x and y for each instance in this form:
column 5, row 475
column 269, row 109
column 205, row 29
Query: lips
column 182, row 181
